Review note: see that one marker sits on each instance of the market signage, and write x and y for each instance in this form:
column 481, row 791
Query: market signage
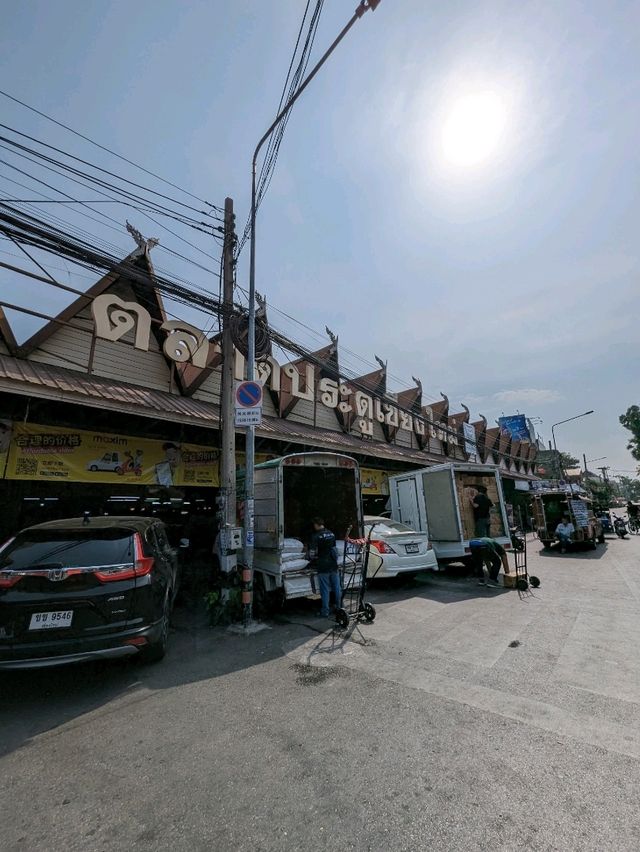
column 515, row 426
column 54, row 453
column 114, row 318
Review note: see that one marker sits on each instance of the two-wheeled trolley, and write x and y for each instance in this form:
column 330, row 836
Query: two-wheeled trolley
column 523, row 580
column 356, row 559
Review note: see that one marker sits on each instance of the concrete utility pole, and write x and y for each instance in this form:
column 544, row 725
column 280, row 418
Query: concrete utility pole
column 228, row 450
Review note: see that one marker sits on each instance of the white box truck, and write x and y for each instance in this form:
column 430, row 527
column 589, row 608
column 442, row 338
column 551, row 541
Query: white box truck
column 436, row 500
column 289, row 492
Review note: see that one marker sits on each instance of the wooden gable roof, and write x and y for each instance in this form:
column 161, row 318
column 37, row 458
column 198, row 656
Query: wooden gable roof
column 129, row 269
column 6, row 335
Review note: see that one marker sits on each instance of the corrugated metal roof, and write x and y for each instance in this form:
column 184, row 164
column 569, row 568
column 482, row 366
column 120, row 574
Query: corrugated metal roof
column 32, row 378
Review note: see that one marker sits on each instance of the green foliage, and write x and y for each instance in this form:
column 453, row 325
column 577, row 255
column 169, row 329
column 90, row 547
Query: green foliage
column 631, row 421
column 602, row 493
column 629, row 488
column 547, row 463
column 224, row 612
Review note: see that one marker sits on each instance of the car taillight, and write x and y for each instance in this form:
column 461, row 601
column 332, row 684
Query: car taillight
column 142, row 565
column 382, row 547
column 7, row 579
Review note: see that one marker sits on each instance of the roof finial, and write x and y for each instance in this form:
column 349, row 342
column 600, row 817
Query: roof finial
column 144, row 245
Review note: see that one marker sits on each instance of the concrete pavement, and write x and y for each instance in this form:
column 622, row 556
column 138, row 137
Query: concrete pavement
column 462, row 719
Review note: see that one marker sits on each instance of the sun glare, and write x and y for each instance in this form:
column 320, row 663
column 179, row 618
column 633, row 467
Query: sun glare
column 474, row 128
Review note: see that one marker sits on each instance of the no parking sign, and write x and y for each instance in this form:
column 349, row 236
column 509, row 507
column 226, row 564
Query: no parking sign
column 248, row 404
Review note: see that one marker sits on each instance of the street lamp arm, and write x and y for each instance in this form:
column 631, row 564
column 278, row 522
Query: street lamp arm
column 359, row 12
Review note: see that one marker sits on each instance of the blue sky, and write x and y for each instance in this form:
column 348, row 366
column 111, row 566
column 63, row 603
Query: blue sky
column 510, row 285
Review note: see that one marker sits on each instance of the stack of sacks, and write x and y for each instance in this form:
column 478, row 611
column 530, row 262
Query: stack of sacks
column 293, row 557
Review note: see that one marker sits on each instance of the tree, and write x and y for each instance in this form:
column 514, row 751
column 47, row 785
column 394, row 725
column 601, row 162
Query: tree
column 631, row 421
column 629, row 488
column 547, row 463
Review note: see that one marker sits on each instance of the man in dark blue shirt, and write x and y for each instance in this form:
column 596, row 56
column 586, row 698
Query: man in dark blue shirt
column 323, row 552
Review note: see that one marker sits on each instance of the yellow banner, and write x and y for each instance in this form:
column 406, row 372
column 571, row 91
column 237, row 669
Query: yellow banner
column 373, row 481
column 74, row 455
column 5, row 442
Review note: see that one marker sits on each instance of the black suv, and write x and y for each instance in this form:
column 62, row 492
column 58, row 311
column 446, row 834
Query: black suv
column 84, row 589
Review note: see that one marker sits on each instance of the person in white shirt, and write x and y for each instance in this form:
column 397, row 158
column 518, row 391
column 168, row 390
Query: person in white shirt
column 564, row 531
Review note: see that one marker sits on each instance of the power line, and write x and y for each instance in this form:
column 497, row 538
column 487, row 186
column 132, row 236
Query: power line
column 108, row 150
column 291, row 85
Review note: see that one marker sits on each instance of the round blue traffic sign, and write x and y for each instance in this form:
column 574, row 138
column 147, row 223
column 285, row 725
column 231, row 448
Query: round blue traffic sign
column 249, row 394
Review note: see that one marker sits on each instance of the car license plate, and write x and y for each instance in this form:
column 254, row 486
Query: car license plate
column 51, row 620
column 412, row 548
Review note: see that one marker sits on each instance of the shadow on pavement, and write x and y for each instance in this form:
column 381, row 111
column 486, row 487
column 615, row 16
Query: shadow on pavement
column 579, row 553
column 450, row 586
column 35, row 701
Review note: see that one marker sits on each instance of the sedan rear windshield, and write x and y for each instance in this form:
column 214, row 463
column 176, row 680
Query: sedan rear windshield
column 68, row 549
column 389, row 527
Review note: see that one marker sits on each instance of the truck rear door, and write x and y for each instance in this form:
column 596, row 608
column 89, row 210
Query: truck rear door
column 440, row 502
column 407, row 503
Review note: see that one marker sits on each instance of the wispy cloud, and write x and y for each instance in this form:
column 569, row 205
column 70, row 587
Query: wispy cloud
column 535, row 396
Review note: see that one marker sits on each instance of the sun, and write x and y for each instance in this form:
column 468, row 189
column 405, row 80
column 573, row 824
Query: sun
column 474, row 128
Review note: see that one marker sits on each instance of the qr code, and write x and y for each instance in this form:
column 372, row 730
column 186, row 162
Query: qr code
column 27, row 467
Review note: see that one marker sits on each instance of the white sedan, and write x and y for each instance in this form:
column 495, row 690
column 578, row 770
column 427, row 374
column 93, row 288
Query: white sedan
column 400, row 548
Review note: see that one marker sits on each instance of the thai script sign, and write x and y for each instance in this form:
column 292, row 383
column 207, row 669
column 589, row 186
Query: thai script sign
column 114, row 318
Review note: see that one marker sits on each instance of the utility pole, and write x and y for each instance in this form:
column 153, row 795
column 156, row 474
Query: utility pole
column 228, row 451
column 604, row 473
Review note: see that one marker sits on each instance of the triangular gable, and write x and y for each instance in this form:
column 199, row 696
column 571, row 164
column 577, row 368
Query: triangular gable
column 147, row 295
column 191, row 377
column 323, row 365
column 6, row 335
column 491, row 438
column 480, row 427
column 408, row 400
column 374, row 382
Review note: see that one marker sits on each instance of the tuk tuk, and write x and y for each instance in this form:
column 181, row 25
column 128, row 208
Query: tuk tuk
column 549, row 507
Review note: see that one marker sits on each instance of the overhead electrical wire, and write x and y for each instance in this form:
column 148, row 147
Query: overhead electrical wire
column 292, row 82
column 26, row 228
column 108, row 150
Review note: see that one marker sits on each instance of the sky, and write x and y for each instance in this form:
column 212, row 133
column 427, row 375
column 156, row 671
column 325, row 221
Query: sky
column 457, row 191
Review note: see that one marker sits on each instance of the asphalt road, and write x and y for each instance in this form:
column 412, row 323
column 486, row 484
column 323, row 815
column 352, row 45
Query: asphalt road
column 462, row 719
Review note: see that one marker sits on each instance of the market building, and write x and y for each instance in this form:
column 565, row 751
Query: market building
column 111, row 407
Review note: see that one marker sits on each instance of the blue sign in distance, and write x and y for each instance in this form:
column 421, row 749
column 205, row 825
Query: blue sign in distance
column 249, row 394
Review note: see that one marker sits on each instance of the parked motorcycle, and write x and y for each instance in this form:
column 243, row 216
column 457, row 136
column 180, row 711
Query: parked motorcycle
column 620, row 526
column 605, row 520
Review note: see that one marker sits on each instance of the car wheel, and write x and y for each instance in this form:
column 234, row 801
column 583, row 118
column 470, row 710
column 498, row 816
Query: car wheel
column 156, row 650
column 119, row 471
column 93, row 468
